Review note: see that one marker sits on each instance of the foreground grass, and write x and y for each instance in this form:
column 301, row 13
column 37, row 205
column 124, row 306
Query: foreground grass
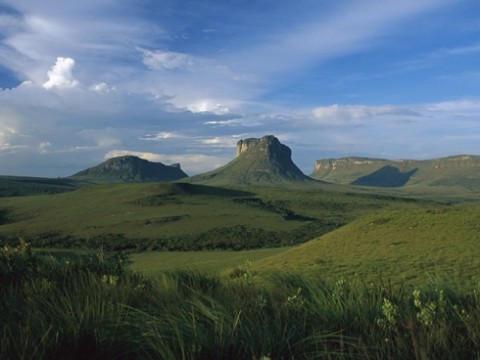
column 54, row 308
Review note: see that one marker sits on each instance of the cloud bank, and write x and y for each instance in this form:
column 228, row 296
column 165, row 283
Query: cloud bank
column 183, row 81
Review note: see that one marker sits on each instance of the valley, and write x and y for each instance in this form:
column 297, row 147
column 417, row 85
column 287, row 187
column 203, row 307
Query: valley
column 251, row 260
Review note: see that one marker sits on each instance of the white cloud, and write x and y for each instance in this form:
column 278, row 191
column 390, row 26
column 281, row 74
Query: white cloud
column 223, row 123
column 208, row 106
column 457, row 108
column 162, row 135
column 101, row 88
column 221, row 141
column 190, row 163
column 61, row 76
column 352, row 28
column 167, row 60
column 45, row 147
column 341, row 114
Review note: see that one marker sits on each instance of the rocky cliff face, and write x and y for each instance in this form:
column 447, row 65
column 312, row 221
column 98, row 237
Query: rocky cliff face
column 263, row 160
column 130, row 169
column 268, row 146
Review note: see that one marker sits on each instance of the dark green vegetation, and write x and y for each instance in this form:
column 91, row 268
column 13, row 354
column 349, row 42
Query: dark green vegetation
column 127, row 169
column 91, row 307
column 22, row 185
column 180, row 216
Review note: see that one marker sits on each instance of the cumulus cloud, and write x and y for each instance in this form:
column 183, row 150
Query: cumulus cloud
column 101, row 88
column 190, row 163
column 61, row 75
column 208, row 106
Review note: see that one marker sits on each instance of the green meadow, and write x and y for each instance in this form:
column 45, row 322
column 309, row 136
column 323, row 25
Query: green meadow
column 179, row 216
column 189, row 271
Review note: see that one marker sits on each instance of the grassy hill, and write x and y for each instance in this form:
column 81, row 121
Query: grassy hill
column 463, row 170
column 181, row 216
column 407, row 244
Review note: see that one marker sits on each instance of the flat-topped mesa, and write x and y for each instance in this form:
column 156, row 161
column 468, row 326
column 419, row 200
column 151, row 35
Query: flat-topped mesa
column 460, row 170
column 257, row 161
column 130, row 169
column 268, row 145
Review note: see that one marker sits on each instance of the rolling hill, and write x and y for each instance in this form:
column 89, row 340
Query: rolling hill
column 184, row 216
column 403, row 244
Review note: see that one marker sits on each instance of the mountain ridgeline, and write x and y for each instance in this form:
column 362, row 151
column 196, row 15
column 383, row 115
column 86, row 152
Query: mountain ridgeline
column 257, row 161
column 463, row 170
column 126, row 169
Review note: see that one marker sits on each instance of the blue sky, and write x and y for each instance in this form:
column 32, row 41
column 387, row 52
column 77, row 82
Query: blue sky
column 183, row 81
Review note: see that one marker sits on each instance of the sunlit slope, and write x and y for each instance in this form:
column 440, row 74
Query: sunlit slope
column 180, row 216
column 402, row 244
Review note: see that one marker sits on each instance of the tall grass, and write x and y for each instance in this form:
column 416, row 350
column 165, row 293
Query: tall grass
column 92, row 308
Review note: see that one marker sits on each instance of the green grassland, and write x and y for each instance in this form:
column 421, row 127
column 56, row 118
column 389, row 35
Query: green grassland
column 155, row 263
column 370, row 273
column 403, row 245
column 179, row 216
column 91, row 307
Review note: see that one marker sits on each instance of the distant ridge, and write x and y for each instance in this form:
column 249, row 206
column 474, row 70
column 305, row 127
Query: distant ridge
column 125, row 169
column 461, row 170
column 257, row 161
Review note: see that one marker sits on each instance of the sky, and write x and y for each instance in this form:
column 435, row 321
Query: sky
column 182, row 81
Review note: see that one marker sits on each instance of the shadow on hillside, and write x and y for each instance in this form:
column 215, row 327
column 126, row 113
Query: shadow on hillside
column 387, row 176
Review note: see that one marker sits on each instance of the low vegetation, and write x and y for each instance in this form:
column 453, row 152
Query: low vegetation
column 89, row 306
column 179, row 216
column 23, row 186
column 405, row 245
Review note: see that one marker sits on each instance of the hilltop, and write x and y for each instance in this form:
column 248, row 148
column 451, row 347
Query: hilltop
column 126, row 169
column 461, row 170
column 257, row 161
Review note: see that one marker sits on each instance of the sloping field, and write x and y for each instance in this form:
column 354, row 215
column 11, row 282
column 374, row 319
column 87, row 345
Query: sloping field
column 407, row 244
column 179, row 216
